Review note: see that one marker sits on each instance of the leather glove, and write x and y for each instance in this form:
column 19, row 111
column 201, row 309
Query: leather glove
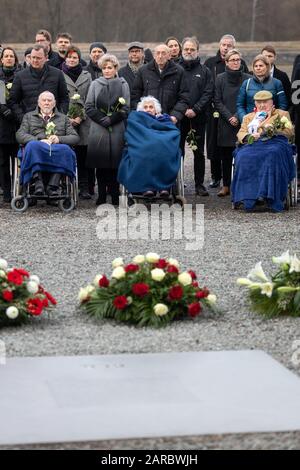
column 117, row 117
column 7, row 113
column 105, row 121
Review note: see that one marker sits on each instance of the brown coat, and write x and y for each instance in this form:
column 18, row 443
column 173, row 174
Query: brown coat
column 243, row 132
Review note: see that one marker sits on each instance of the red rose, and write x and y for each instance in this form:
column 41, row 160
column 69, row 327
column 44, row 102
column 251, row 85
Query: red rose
column 192, row 274
column 194, row 309
column 201, row 294
column 34, row 306
column 23, row 272
column 172, row 269
column 195, row 284
column 45, row 302
column 176, row 293
column 120, row 302
column 7, row 295
column 140, row 289
column 161, row 264
column 50, row 298
column 104, row 282
column 15, row 277
column 131, row 268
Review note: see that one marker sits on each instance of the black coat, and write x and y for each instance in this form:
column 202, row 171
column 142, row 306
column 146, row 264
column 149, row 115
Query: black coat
column 169, row 87
column 55, row 60
column 27, row 87
column 217, row 65
column 94, row 70
column 200, row 85
column 283, row 77
column 7, row 120
column 227, row 87
column 128, row 74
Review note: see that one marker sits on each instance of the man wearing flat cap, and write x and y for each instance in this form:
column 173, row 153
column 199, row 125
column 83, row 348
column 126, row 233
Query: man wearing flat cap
column 135, row 61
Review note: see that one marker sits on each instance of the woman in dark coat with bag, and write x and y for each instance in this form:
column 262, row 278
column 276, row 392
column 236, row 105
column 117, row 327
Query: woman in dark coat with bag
column 107, row 105
column 227, row 87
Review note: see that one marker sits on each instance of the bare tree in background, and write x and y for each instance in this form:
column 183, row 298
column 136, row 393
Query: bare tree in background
column 54, row 16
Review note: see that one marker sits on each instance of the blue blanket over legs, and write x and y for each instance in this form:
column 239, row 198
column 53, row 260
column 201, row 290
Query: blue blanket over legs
column 263, row 170
column 37, row 157
column 151, row 159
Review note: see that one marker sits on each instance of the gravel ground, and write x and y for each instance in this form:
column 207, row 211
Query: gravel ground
column 66, row 253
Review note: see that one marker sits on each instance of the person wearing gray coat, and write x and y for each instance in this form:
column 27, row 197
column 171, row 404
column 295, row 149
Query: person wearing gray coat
column 107, row 105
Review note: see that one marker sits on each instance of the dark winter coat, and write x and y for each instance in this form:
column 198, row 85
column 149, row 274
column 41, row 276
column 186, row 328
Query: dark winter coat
column 27, row 87
column 169, row 87
column 127, row 73
column 227, row 87
column 106, row 140
column 7, row 120
column 217, row 65
column 283, row 77
column 55, row 60
column 94, row 70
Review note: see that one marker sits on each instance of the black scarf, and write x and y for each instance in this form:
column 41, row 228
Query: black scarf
column 234, row 76
column 72, row 72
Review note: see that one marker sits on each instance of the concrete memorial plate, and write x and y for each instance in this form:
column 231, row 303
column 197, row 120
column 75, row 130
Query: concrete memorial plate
column 86, row 398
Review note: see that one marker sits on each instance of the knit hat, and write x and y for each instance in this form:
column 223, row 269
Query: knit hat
column 99, row 45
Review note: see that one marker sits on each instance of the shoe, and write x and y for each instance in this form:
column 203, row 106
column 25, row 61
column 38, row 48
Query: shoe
column 214, row 183
column 201, row 190
column 224, row 192
column 84, row 195
column 52, row 192
column 164, row 194
column 39, row 189
column 148, row 194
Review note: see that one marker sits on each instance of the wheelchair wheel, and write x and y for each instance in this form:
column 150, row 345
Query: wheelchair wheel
column 19, row 204
column 66, row 205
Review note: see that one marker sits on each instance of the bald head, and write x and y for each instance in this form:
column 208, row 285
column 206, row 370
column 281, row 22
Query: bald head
column 162, row 55
column 46, row 102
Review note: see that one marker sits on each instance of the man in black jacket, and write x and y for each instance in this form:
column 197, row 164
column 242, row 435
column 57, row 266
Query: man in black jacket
column 269, row 52
column 97, row 50
column 164, row 80
column 136, row 60
column 200, row 84
column 30, row 82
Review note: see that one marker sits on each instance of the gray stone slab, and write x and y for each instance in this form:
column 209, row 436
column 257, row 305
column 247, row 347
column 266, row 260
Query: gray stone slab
column 85, row 398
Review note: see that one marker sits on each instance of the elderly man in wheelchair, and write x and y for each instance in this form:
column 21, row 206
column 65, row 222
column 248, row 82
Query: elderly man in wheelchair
column 264, row 164
column 47, row 135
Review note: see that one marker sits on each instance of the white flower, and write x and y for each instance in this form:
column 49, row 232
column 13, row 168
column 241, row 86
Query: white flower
column 2, row 274
column 185, row 279
column 244, row 281
column 157, row 274
column 12, row 312
column 294, row 265
column 194, row 148
column 152, row 257
column 173, row 262
column 32, row 287
column 122, row 100
column 216, row 114
column 117, row 262
column 34, row 278
column 129, row 300
column 282, row 259
column 160, row 309
column 9, row 85
column 97, row 279
column 85, row 292
column 76, row 96
column 118, row 273
column 211, row 299
column 267, row 288
column 257, row 273
column 139, row 259
column 3, row 264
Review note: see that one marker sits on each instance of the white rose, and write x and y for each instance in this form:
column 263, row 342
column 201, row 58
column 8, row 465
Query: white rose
column 76, row 96
column 85, row 292
column 122, row 100
column 12, row 312
column 194, row 148
column 160, row 309
column 118, row 273
column 139, row 259
column 2, row 274
column 117, row 262
column 34, row 278
column 211, row 299
column 185, row 279
column 129, row 300
column 157, row 274
column 32, row 287
column 173, row 262
column 97, row 279
column 3, row 264
column 152, row 257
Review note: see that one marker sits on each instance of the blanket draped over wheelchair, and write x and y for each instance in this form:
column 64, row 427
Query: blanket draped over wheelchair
column 37, row 157
column 263, row 169
column 151, row 158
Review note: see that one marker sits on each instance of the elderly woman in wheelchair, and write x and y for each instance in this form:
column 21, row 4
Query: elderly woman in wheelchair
column 47, row 135
column 264, row 164
column 152, row 157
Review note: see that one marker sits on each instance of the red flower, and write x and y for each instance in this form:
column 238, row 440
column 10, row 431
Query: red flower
column 194, row 309
column 192, row 274
column 7, row 295
column 15, row 277
column 161, row 264
column 104, row 282
column 50, row 298
column 23, row 272
column 34, row 306
column 176, row 293
column 120, row 302
column 140, row 289
column 195, row 284
column 172, row 269
column 131, row 268
column 45, row 302
column 201, row 294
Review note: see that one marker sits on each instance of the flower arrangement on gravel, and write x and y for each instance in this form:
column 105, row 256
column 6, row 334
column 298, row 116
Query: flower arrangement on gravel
column 21, row 295
column 279, row 295
column 149, row 291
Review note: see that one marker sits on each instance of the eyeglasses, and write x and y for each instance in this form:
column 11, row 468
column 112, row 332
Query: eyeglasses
column 234, row 60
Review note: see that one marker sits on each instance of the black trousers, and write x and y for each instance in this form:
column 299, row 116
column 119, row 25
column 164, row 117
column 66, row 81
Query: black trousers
column 226, row 160
column 8, row 153
column 199, row 158
column 212, row 148
column 81, row 151
column 108, row 183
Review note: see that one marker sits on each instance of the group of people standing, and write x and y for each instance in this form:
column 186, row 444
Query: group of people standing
column 207, row 99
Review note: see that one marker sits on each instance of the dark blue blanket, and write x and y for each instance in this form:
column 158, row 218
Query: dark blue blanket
column 151, row 158
column 37, row 157
column 263, row 170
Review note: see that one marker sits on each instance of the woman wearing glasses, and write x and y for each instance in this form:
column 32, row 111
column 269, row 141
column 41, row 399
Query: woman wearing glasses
column 227, row 87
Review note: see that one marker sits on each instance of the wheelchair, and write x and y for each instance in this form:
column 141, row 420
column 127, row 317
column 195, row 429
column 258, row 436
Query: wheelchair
column 23, row 196
column 127, row 199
